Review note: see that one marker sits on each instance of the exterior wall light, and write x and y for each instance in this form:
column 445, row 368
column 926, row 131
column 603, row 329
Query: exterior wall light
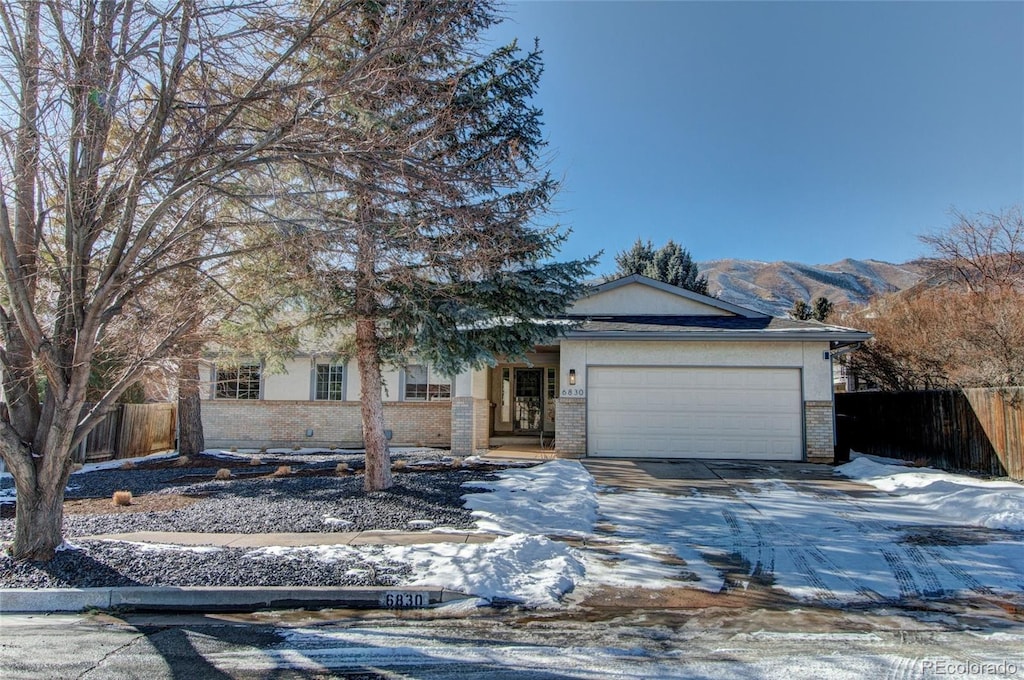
column 572, row 376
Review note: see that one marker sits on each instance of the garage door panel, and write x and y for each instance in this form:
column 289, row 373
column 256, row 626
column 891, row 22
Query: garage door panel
column 695, row 412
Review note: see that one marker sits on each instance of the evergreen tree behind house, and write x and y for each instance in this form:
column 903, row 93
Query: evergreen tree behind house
column 670, row 264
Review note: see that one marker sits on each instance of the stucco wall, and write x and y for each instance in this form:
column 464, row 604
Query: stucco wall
column 636, row 298
column 808, row 356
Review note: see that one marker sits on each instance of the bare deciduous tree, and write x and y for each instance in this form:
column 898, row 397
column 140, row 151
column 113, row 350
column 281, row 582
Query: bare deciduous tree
column 118, row 120
column 964, row 326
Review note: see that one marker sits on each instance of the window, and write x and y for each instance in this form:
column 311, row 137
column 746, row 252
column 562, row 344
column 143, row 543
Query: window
column 330, row 382
column 552, row 383
column 422, row 385
column 238, row 382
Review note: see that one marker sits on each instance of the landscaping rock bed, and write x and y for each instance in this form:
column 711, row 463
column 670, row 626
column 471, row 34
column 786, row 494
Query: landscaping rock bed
column 315, row 498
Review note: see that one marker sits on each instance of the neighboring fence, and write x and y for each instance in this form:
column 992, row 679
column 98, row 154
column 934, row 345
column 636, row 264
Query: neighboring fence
column 129, row 431
column 976, row 430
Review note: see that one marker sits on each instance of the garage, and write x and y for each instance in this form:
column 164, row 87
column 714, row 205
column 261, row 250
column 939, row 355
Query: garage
column 694, row 412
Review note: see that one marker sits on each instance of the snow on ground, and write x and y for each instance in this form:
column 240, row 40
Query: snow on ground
column 957, row 498
column 531, row 570
column 119, row 462
column 817, row 546
column 10, row 495
column 556, row 498
column 814, row 543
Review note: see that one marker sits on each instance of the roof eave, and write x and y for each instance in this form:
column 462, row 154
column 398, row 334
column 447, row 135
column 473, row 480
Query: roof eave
column 788, row 336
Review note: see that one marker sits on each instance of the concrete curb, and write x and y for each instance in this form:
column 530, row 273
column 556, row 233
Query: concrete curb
column 216, row 599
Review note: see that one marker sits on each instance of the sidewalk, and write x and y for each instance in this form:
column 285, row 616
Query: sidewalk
column 221, row 599
column 295, row 539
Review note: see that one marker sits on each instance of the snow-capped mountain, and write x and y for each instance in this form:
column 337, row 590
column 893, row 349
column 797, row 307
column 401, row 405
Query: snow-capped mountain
column 772, row 287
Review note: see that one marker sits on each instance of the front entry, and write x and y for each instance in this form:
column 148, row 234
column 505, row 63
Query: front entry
column 528, row 404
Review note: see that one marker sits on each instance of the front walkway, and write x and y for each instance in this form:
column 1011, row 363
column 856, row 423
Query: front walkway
column 292, row 540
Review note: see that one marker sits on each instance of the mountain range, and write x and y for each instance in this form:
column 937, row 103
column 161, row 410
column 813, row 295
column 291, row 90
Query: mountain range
column 772, row 287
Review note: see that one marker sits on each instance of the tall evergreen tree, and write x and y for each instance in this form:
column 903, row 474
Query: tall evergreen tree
column 423, row 237
column 671, row 263
column 822, row 308
column 801, row 311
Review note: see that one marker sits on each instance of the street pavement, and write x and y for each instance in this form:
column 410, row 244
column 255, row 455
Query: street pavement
column 703, row 643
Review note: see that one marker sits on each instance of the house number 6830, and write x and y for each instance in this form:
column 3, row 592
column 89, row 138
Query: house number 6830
column 573, row 392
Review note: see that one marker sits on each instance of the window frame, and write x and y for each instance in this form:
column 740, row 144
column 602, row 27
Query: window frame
column 221, row 383
column 336, row 372
column 431, row 390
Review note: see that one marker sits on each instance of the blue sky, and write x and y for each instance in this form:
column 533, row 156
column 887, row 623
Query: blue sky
column 805, row 131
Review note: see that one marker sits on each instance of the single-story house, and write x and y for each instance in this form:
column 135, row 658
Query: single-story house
column 648, row 370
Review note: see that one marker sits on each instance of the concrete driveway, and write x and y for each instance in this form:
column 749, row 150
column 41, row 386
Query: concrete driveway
column 798, row 531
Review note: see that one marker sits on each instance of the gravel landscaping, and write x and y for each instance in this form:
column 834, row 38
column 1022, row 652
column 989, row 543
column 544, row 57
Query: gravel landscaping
column 312, row 499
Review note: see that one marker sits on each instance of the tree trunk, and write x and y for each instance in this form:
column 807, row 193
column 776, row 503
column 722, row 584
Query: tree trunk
column 378, row 458
column 190, row 419
column 39, row 519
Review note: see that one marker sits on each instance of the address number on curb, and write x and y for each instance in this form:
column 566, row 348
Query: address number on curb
column 403, row 599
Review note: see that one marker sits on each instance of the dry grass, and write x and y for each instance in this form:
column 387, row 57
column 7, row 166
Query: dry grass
column 921, row 462
column 233, row 449
column 342, row 469
column 456, row 462
column 399, row 465
column 75, row 467
column 128, row 465
column 223, row 474
column 296, row 448
column 182, row 461
column 122, row 498
column 282, row 471
column 255, row 460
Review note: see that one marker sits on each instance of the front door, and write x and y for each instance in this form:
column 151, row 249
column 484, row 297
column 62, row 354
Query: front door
column 528, row 405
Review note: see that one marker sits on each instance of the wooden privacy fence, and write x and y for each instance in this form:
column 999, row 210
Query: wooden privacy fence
column 129, row 431
column 974, row 430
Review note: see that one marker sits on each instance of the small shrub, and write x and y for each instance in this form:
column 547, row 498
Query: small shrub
column 75, row 467
column 233, row 449
column 342, row 469
column 920, row 462
column 255, row 460
column 263, row 449
column 222, row 474
column 456, row 462
column 122, row 498
column 399, row 465
column 283, row 471
column 296, row 448
column 128, row 465
column 182, row 461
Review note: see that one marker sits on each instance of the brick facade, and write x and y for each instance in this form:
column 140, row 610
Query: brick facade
column 818, row 431
column 571, row 427
column 255, row 424
column 470, row 423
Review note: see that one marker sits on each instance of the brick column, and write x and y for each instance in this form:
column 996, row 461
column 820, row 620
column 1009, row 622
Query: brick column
column 818, row 432
column 469, row 426
column 571, row 427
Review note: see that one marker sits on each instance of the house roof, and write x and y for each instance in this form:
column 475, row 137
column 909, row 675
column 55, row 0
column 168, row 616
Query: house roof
column 661, row 327
column 680, row 292
column 738, row 323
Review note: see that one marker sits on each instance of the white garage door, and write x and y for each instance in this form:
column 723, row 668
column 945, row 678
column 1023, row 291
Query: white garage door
column 663, row 412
